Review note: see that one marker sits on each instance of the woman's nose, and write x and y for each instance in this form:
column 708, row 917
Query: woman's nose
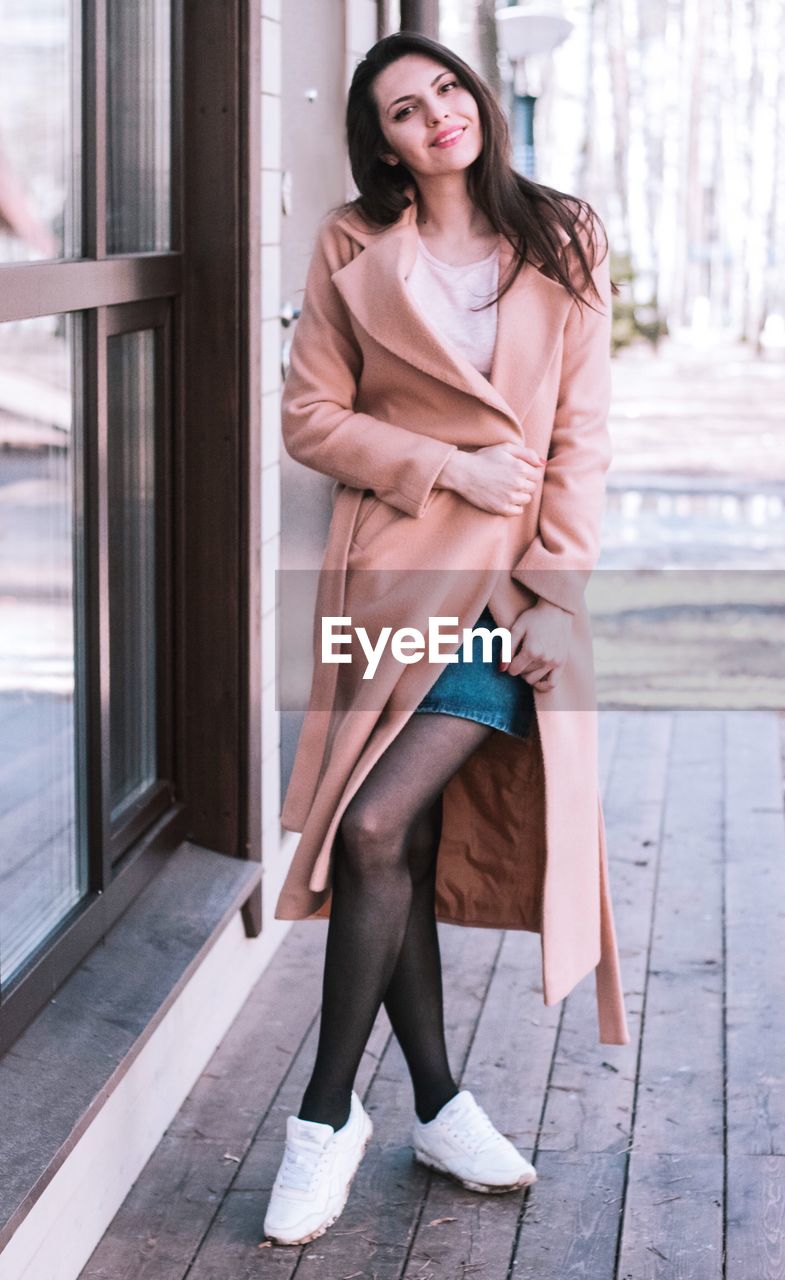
column 438, row 114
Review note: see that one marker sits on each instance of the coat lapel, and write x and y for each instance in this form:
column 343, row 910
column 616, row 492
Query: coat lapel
column 531, row 316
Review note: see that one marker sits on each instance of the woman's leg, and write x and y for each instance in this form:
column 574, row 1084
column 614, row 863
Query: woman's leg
column 372, row 895
column 414, row 998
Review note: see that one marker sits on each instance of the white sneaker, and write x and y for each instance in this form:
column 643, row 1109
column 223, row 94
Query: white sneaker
column 462, row 1142
column 312, row 1184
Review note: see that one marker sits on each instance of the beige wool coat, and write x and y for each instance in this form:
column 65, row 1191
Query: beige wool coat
column 377, row 400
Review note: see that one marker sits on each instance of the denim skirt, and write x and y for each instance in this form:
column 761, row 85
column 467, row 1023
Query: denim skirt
column 478, row 690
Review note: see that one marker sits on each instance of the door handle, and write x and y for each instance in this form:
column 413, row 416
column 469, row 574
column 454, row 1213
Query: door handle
column 289, row 313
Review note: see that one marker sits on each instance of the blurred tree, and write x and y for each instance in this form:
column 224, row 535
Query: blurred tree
column 668, row 115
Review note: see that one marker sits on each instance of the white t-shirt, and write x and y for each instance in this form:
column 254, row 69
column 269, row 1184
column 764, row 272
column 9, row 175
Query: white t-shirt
column 446, row 294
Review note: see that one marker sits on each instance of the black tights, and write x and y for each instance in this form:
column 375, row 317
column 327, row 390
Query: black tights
column 382, row 943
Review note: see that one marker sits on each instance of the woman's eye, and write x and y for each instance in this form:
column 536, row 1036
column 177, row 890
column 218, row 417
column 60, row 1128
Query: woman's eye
column 448, row 84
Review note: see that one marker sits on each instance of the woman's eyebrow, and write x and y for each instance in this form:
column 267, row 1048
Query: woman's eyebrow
column 411, row 95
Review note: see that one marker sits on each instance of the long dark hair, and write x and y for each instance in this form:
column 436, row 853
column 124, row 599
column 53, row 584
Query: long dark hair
column 524, row 212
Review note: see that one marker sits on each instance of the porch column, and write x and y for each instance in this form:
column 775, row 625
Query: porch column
column 420, row 15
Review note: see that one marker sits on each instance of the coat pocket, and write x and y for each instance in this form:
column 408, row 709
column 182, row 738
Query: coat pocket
column 373, row 514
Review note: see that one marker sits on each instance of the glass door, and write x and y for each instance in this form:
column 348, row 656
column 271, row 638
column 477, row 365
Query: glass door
column 90, row 295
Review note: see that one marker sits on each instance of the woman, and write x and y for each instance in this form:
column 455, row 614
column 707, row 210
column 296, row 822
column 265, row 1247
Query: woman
column 451, row 306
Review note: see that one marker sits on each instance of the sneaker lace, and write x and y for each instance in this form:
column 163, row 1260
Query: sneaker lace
column 301, row 1167
column 482, row 1133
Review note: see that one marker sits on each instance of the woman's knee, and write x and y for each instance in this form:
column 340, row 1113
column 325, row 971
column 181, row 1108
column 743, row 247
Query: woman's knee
column 373, row 837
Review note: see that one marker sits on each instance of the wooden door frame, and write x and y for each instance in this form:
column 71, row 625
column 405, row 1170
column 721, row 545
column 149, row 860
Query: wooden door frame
column 220, row 606
column 210, row 280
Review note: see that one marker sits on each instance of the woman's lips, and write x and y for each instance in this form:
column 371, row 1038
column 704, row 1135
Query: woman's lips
column 451, row 138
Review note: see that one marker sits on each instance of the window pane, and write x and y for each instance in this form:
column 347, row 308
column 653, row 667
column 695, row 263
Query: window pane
column 138, row 125
column 40, row 128
column 132, row 567
column 42, row 853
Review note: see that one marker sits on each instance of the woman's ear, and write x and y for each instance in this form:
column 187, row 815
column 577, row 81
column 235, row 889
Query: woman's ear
column 389, row 158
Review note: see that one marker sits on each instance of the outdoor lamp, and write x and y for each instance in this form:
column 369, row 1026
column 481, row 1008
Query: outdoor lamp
column 527, row 35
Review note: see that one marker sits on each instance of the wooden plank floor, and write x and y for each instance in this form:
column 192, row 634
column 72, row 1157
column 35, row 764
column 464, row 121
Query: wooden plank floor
column 662, row 1158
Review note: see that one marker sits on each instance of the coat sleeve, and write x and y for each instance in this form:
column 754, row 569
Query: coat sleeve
column 319, row 424
column 559, row 560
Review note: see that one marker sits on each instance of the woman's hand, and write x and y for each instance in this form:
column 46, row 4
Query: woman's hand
column 500, row 478
column 540, row 640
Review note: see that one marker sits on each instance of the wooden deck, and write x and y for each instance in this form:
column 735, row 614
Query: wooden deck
column 662, row 1158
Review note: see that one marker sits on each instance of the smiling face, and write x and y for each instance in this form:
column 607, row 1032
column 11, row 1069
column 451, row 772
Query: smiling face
column 430, row 121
